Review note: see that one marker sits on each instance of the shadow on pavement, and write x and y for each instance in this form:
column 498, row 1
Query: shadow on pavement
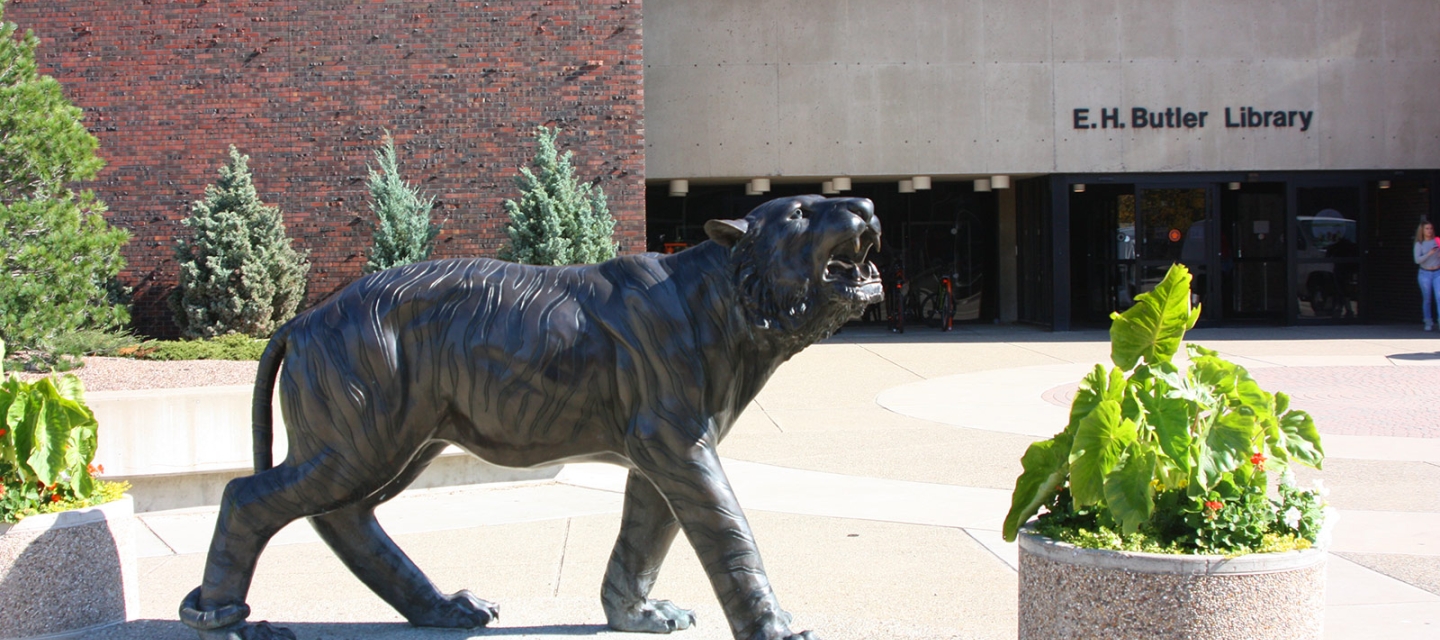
column 1415, row 356
column 174, row 630
column 1021, row 333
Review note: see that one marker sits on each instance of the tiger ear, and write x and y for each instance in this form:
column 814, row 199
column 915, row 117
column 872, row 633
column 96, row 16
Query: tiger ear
column 726, row 232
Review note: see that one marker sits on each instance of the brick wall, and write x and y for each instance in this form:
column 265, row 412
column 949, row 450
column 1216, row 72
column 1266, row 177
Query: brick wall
column 305, row 87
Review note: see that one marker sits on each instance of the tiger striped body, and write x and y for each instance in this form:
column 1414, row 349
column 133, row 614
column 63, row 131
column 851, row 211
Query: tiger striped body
column 643, row 361
column 484, row 354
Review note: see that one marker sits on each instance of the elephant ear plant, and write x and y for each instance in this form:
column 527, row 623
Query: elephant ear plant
column 1170, row 457
column 47, row 445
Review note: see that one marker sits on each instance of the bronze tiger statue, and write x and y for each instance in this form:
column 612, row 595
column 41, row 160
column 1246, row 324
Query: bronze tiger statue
column 644, row 361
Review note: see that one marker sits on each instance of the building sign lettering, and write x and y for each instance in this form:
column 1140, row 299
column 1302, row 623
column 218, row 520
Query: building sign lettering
column 1180, row 118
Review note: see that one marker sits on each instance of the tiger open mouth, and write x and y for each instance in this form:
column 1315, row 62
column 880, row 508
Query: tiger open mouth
column 849, row 271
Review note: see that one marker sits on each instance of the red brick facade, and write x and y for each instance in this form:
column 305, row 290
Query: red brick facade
column 305, row 87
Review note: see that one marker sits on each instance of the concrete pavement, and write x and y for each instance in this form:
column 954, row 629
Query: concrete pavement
column 875, row 469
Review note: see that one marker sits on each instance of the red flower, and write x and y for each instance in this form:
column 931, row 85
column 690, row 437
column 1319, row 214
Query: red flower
column 1258, row 459
column 55, row 497
column 3, row 432
column 2, row 489
column 96, row 469
column 1213, row 505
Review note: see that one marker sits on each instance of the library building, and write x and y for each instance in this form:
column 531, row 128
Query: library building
column 1033, row 161
column 1048, row 162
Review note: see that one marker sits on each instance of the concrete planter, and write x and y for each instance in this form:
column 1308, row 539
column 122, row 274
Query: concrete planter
column 1069, row 592
column 65, row 575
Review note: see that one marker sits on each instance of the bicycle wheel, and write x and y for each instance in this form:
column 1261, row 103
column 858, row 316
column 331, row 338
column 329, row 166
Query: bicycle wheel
column 928, row 308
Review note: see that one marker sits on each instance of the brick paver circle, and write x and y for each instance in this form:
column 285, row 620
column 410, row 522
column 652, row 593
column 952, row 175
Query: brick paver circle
column 1352, row 401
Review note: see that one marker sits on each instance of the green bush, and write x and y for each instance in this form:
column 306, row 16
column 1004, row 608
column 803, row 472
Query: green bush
column 91, row 342
column 227, row 347
column 558, row 219
column 238, row 271
column 404, row 234
column 58, row 254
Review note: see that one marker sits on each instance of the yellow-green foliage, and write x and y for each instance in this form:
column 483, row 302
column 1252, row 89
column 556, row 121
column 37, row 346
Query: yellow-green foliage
column 227, row 347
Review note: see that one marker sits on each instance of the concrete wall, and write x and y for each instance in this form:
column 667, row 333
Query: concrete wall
column 179, row 447
column 954, row 87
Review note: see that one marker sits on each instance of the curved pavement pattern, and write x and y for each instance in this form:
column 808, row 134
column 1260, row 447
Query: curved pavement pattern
column 875, row 470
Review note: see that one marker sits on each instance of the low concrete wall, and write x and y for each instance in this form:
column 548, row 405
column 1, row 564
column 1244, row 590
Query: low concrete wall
column 178, row 447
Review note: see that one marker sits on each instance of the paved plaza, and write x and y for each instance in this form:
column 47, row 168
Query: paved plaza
column 875, row 470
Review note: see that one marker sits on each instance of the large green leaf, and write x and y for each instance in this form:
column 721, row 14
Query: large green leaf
column 1045, row 465
column 1099, row 440
column 1096, row 386
column 25, row 416
column 1153, row 328
column 1226, row 445
column 8, row 401
column 70, row 388
column 1216, row 376
column 1170, row 417
column 1129, row 490
column 52, row 433
column 1248, row 394
column 1301, row 438
column 78, row 413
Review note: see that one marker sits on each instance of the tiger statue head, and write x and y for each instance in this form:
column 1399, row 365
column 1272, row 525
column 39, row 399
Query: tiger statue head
column 799, row 264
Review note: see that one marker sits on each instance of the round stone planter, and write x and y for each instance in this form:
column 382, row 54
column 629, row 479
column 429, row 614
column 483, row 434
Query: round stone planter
column 65, row 575
column 1069, row 592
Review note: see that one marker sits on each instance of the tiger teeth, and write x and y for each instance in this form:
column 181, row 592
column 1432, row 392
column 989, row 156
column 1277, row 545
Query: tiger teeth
column 857, row 245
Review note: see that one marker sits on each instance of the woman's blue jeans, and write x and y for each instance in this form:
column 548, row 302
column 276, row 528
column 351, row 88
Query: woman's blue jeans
column 1429, row 294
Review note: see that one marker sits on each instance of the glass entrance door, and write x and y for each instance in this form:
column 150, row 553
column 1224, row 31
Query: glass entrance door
column 1252, row 251
column 1102, row 250
column 1327, row 253
column 1173, row 225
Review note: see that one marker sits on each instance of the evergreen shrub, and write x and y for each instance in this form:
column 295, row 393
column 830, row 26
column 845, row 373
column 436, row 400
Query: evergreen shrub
column 58, row 256
column 558, row 219
column 404, row 233
column 238, row 270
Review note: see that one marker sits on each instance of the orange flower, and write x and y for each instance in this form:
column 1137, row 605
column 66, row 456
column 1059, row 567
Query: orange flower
column 96, row 469
column 1213, row 505
column 55, row 497
column 3, row 432
column 1258, row 459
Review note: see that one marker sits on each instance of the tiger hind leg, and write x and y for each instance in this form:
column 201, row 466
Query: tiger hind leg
column 252, row 510
column 357, row 538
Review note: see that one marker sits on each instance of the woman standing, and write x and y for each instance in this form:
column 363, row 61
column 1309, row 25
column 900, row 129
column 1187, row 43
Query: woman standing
column 1427, row 255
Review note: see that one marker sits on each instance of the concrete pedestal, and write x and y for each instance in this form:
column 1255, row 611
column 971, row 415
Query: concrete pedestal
column 66, row 575
column 1069, row 592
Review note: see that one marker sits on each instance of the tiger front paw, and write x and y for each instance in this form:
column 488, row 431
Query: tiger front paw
column 651, row 616
column 459, row 610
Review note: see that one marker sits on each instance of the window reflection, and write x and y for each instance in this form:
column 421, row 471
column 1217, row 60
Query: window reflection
column 1327, row 252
